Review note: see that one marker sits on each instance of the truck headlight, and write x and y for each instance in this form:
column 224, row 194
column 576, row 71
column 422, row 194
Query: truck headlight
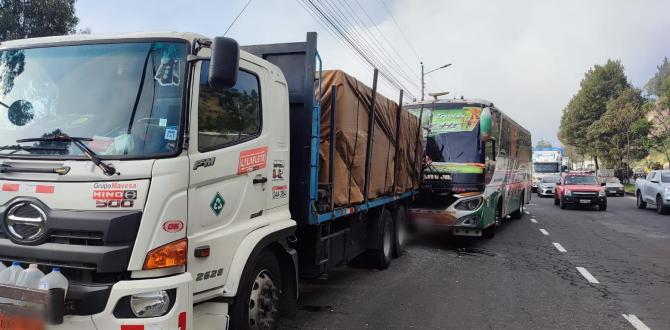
column 601, row 193
column 150, row 304
column 667, row 189
column 469, row 204
column 568, row 192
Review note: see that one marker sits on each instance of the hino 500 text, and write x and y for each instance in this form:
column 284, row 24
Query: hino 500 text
column 179, row 182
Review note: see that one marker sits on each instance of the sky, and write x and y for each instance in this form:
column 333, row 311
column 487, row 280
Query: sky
column 527, row 57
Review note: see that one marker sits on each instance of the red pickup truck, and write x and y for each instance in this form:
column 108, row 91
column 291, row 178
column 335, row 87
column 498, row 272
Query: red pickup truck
column 580, row 189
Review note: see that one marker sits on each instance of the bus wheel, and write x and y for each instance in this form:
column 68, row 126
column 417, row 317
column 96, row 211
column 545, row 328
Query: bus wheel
column 257, row 303
column 489, row 232
column 380, row 256
column 400, row 230
column 518, row 214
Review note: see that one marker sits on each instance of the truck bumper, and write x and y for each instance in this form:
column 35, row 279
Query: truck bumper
column 178, row 318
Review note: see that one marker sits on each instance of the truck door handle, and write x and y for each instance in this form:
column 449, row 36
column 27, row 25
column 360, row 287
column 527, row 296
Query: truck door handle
column 259, row 180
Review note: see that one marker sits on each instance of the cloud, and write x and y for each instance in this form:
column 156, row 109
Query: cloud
column 528, row 57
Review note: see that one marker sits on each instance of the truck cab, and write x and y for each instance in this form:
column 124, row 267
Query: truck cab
column 142, row 166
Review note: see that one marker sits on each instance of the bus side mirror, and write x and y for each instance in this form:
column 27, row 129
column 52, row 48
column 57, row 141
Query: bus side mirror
column 224, row 64
column 485, row 124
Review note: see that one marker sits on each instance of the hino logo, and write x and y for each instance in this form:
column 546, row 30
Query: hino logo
column 26, row 222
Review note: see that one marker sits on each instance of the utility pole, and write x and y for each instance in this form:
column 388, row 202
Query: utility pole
column 423, row 84
column 423, row 81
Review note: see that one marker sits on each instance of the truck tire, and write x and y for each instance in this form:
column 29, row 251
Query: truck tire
column 660, row 208
column 257, row 303
column 602, row 207
column 380, row 256
column 518, row 214
column 563, row 205
column 399, row 230
column 641, row 204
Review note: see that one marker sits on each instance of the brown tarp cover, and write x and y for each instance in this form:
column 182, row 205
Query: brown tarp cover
column 352, row 111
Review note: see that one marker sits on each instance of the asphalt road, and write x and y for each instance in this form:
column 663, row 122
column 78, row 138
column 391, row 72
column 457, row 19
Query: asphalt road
column 517, row 280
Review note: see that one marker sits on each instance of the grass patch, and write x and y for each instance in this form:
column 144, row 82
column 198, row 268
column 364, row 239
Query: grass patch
column 629, row 188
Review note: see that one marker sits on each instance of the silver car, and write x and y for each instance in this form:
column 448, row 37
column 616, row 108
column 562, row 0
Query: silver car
column 547, row 186
column 613, row 186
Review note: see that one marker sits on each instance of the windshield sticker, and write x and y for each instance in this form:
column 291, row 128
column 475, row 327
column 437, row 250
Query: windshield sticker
column 167, row 73
column 454, row 120
column 162, row 122
column 455, row 168
column 171, row 133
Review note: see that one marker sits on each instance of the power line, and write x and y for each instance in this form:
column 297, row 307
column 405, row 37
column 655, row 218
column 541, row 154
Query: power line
column 401, row 31
column 338, row 25
column 236, row 17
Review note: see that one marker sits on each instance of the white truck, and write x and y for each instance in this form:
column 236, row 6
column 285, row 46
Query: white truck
column 654, row 190
column 174, row 179
column 546, row 162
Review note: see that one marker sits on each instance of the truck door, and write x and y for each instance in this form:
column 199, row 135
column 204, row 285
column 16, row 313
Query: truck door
column 229, row 171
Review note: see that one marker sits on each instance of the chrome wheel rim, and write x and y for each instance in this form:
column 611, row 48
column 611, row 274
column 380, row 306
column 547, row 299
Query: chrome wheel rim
column 264, row 302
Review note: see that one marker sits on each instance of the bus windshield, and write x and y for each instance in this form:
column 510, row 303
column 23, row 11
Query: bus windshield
column 546, row 167
column 451, row 132
column 123, row 99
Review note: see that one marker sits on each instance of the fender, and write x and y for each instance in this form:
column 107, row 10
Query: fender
column 252, row 245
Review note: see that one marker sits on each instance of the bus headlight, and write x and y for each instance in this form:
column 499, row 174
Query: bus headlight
column 469, row 204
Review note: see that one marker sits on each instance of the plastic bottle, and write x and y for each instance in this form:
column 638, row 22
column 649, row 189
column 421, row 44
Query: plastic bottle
column 30, row 277
column 54, row 280
column 11, row 274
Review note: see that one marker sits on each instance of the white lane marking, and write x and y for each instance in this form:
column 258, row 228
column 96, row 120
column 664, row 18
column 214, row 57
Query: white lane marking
column 531, row 204
column 632, row 197
column 533, row 220
column 587, row 275
column 635, row 322
column 527, row 212
column 559, row 247
column 544, row 232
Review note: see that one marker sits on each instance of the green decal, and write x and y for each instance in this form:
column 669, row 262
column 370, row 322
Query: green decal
column 217, row 204
column 456, row 168
column 454, row 120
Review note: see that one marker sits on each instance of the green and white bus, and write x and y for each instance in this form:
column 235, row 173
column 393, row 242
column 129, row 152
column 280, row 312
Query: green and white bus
column 477, row 167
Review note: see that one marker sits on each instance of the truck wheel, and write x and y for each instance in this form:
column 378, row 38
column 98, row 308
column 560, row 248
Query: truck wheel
column 640, row 203
column 563, row 204
column 660, row 208
column 602, row 207
column 257, row 303
column 400, row 230
column 380, row 256
column 518, row 214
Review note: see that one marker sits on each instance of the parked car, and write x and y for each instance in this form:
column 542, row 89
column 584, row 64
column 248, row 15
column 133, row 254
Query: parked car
column 547, row 186
column 580, row 189
column 613, row 186
column 654, row 190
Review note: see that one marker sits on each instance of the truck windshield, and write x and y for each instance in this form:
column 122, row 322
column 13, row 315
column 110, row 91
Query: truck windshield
column 451, row 132
column 124, row 98
column 545, row 167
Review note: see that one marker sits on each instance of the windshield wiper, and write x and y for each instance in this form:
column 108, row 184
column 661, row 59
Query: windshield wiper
column 18, row 147
column 77, row 141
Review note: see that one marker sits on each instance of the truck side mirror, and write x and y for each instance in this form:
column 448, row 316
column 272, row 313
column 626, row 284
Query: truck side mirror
column 558, row 183
column 224, row 64
column 485, row 124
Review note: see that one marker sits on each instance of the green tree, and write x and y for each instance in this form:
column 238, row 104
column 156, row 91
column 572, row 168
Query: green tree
column 601, row 84
column 655, row 85
column 543, row 144
column 21, row 19
column 619, row 135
